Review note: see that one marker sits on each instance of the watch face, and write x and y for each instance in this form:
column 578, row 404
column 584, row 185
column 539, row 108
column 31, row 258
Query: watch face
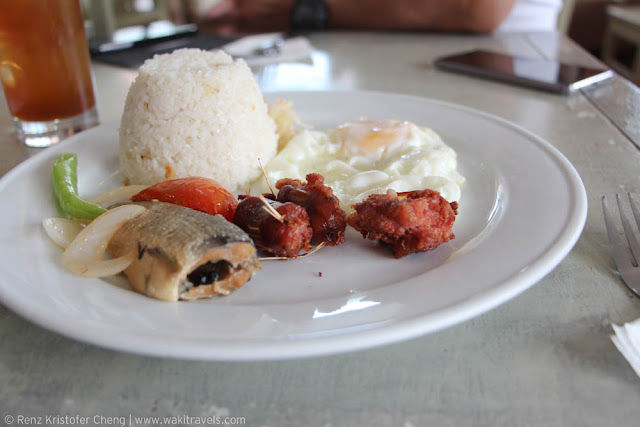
column 309, row 15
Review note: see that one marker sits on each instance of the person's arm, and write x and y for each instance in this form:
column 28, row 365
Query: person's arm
column 251, row 16
column 429, row 15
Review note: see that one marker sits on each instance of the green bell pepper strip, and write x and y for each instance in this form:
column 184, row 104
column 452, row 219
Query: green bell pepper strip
column 65, row 187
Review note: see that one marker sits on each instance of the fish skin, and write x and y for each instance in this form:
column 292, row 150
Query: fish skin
column 170, row 241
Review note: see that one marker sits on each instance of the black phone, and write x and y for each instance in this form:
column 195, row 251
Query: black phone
column 530, row 72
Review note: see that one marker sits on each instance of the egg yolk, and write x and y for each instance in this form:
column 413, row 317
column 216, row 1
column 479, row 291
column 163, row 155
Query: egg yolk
column 371, row 138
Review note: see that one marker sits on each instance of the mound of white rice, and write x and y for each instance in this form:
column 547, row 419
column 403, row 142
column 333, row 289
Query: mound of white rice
column 195, row 113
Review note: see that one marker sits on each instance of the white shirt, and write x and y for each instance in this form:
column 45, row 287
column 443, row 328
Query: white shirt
column 532, row 15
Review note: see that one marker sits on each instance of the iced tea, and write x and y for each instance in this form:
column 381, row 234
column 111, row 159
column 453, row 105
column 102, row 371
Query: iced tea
column 44, row 60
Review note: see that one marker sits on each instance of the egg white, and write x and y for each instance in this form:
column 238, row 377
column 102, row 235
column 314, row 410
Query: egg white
column 358, row 159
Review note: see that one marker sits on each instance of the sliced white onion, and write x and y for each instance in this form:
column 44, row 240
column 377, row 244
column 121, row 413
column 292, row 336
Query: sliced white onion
column 84, row 255
column 61, row 230
column 116, row 195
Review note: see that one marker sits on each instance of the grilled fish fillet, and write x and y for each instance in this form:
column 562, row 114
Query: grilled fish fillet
column 184, row 254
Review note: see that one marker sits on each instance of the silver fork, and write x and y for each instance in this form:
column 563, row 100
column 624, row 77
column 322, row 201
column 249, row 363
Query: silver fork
column 626, row 262
column 272, row 48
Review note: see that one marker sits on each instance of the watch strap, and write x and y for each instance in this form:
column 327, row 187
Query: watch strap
column 309, row 15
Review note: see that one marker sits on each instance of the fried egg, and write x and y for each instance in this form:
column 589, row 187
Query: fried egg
column 365, row 157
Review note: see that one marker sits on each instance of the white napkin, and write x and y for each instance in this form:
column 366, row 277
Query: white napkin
column 627, row 339
column 292, row 49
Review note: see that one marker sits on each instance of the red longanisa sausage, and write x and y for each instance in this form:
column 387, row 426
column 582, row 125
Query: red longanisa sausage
column 285, row 236
column 328, row 220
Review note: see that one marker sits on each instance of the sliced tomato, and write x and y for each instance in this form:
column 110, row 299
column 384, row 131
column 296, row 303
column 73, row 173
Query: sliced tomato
column 201, row 194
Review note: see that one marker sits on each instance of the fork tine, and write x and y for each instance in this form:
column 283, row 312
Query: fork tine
column 634, row 209
column 628, row 230
column 620, row 255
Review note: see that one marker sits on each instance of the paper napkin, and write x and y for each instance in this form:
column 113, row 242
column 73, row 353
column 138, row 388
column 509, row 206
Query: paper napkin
column 627, row 339
column 291, row 49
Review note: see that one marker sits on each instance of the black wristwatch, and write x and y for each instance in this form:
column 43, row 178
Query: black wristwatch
column 309, row 15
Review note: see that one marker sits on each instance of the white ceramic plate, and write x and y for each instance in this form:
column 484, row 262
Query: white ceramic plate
column 521, row 212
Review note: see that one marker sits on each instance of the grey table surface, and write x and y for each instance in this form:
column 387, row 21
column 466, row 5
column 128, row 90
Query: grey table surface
column 544, row 358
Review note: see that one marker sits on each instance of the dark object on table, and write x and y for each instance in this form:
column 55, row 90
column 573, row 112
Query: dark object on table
column 132, row 55
column 536, row 73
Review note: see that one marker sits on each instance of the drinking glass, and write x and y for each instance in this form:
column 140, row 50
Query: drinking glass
column 45, row 69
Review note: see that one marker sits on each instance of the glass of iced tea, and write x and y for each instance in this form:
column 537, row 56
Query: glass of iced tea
column 45, row 69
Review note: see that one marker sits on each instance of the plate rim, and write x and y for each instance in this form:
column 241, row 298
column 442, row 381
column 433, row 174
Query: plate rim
column 401, row 330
